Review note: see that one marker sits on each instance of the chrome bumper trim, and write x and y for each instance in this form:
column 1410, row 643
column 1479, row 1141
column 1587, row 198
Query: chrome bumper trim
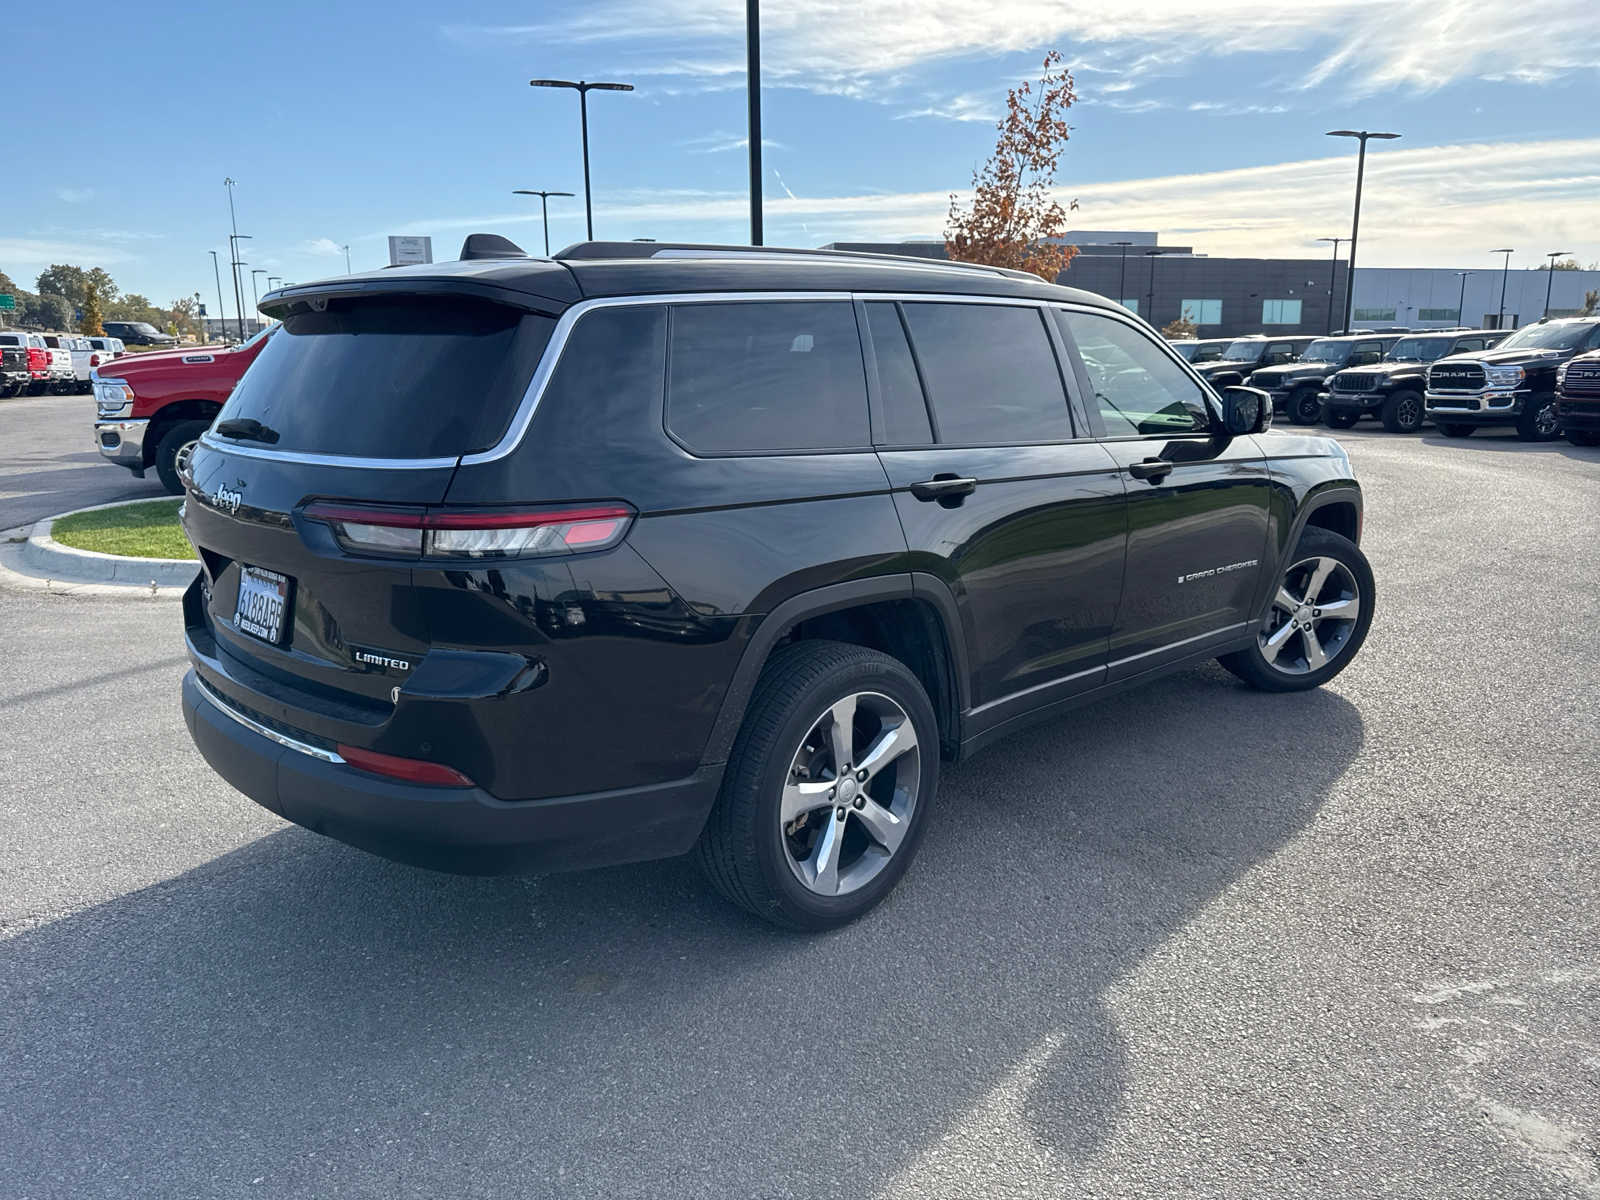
column 283, row 739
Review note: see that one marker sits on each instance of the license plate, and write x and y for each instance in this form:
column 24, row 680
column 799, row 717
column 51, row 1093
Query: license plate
column 263, row 606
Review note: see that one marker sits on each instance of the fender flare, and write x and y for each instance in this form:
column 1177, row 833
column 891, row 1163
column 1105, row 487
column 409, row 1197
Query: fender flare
column 816, row 602
column 1334, row 491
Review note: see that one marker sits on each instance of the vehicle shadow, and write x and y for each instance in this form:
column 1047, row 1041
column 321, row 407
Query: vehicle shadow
column 304, row 1018
column 1504, row 439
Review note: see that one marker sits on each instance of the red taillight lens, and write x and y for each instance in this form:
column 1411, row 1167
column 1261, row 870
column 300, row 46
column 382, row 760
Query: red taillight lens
column 472, row 533
column 94, row 360
column 411, row 770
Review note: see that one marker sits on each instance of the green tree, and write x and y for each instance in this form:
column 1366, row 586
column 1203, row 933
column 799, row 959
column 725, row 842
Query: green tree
column 104, row 284
column 90, row 325
column 64, row 280
column 1591, row 303
column 185, row 314
column 50, row 311
column 7, row 287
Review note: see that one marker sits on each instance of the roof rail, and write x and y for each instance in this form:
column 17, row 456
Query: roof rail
column 636, row 250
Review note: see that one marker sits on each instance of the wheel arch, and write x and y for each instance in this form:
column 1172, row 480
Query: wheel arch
column 911, row 617
column 169, row 415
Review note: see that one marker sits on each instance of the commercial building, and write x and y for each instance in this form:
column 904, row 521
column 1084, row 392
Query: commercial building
column 1229, row 296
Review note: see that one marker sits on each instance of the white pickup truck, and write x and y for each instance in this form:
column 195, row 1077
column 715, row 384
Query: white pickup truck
column 84, row 358
column 62, row 376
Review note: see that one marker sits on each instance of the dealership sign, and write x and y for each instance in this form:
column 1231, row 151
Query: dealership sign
column 403, row 251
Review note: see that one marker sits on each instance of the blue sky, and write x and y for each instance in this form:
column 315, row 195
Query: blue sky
column 347, row 121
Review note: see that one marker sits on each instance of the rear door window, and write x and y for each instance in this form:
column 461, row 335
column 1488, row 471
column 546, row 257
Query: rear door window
column 902, row 409
column 391, row 377
column 766, row 376
column 991, row 373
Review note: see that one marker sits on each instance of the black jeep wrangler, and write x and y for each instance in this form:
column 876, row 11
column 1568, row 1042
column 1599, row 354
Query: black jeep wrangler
column 1247, row 354
column 1296, row 388
column 645, row 550
column 1578, row 399
column 1513, row 384
column 1393, row 389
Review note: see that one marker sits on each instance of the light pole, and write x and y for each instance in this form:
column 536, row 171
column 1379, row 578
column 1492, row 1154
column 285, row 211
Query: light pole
column 1355, row 221
column 1552, row 256
column 583, row 87
column 1122, row 275
column 222, row 311
column 1150, row 296
column 1505, row 272
column 346, row 249
column 233, row 247
column 1461, row 301
column 544, row 209
column 752, row 58
column 238, row 286
column 198, row 318
column 1333, row 274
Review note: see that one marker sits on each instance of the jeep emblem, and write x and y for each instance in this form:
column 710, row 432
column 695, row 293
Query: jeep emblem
column 225, row 497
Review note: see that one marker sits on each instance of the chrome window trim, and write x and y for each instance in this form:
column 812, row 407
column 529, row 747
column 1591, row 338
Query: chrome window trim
column 283, row 739
column 328, row 460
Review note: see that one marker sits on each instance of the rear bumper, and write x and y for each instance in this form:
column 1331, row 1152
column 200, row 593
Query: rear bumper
column 465, row 830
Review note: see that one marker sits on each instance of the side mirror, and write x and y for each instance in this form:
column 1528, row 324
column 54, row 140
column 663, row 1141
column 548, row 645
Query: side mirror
column 1246, row 410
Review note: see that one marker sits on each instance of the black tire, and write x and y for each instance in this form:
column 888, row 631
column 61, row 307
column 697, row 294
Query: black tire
column 744, row 850
column 1583, row 437
column 37, row 387
column 1251, row 664
column 1454, row 429
column 1304, row 407
column 1403, row 412
column 1538, row 422
column 174, row 440
column 1340, row 418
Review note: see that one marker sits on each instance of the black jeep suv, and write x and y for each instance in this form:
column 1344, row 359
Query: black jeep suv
column 514, row 563
column 1393, row 390
column 1296, row 388
column 1247, row 354
column 1513, row 384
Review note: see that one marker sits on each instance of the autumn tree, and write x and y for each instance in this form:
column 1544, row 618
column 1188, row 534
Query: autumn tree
column 90, row 324
column 1014, row 219
column 1181, row 328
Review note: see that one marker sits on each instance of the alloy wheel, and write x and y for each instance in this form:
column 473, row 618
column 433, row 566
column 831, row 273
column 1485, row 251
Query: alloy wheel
column 1544, row 419
column 850, row 793
column 1408, row 413
column 1312, row 616
column 180, row 459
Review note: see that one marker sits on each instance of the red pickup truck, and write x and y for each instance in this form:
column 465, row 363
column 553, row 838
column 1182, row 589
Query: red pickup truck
column 150, row 409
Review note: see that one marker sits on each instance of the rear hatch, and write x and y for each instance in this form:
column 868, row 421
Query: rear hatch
column 361, row 402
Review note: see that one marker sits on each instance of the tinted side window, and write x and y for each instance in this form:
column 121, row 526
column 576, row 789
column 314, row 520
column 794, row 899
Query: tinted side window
column 902, row 409
column 1138, row 388
column 991, row 373
column 766, row 375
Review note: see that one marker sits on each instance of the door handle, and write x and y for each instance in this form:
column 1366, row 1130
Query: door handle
column 1153, row 469
column 944, row 488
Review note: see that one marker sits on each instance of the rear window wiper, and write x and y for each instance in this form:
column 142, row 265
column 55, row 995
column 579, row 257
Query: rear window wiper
column 247, row 428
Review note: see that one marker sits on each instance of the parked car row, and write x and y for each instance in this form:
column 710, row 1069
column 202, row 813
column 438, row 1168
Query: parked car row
column 1459, row 378
column 59, row 363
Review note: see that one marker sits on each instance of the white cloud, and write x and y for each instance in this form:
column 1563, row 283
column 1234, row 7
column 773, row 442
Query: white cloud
column 74, row 195
column 1419, row 207
column 325, row 247
column 968, row 106
column 1231, row 108
column 843, row 45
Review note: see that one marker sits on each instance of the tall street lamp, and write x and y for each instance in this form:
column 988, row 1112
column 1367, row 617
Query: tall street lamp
column 1355, row 222
column 1505, row 271
column 1150, row 296
column 255, row 295
column 544, row 209
column 238, row 286
column 1333, row 274
column 238, row 292
column 583, row 87
column 1122, row 275
column 346, row 249
column 752, row 60
column 1552, row 256
column 1461, row 300
column 222, row 311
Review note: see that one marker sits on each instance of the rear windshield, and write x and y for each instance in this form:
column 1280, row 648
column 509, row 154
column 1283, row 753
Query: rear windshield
column 389, row 377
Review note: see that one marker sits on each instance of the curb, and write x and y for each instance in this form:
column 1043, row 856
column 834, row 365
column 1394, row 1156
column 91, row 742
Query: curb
column 43, row 562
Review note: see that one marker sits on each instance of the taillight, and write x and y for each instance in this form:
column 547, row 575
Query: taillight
column 411, row 770
column 94, row 360
column 394, row 532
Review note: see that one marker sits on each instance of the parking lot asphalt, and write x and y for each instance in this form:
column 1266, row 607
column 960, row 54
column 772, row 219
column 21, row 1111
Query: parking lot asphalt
column 1198, row 941
column 49, row 464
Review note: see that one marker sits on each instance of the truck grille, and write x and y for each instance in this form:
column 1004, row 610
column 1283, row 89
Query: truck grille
column 1582, row 381
column 1354, row 383
column 1456, row 377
